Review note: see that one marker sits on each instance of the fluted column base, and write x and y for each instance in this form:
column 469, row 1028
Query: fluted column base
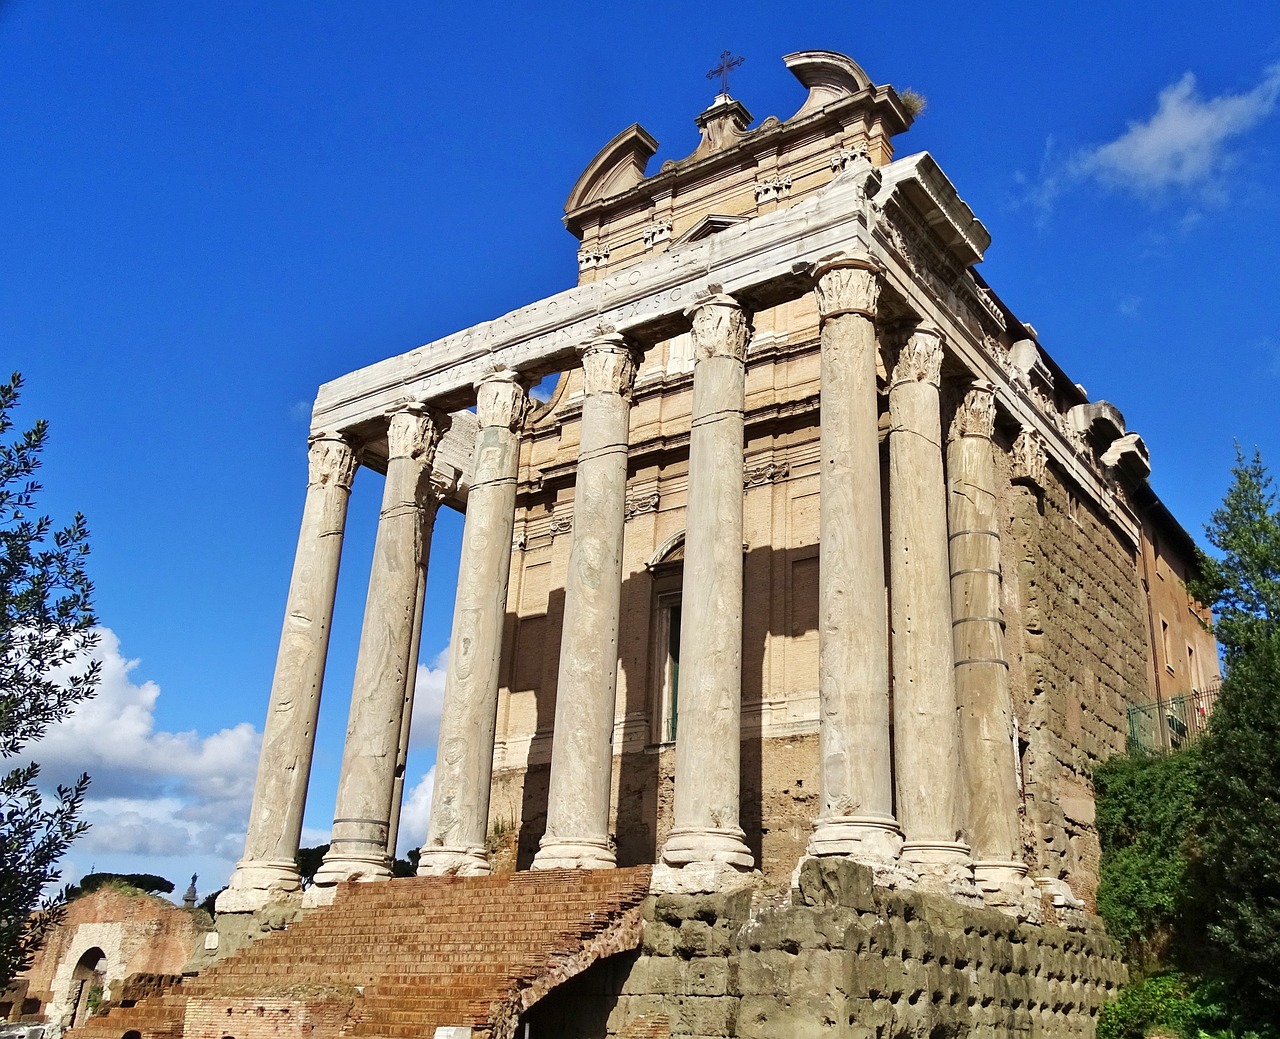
column 258, row 882
column 453, row 862
column 583, row 853
column 865, row 838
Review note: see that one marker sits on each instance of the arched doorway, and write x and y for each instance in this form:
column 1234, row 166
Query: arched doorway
column 87, row 981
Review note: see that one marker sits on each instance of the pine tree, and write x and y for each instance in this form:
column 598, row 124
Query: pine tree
column 46, row 627
column 1240, row 755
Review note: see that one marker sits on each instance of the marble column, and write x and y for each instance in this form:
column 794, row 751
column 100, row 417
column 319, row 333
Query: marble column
column 410, row 686
column 464, row 761
column 705, row 826
column 577, row 835
column 358, row 847
column 856, row 812
column 268, row 871
column 926, row 726
column 982, row 672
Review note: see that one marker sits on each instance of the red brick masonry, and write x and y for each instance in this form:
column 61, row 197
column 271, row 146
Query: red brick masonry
column 399, row 958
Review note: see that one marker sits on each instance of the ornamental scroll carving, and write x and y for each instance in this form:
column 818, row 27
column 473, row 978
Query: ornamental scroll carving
column 720, row 328
column 412, row 432
column 770, row 472
column 1029, row 458
column 608, row 365
column 641, row 503
column 976, row 414
column 920, row 358
column 501, row 399
column 560, row 525
column 330, row 460
column 847, row 285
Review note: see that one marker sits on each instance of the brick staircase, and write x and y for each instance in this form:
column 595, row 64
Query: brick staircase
column 395, row 960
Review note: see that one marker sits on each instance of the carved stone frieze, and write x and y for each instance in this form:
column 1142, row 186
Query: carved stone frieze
column 847, row 285
column 976, row 414
column 640, row 504
column 1029, row 458
column 330, row 460
column 720, row 327
column 520, row 542
column 920, row 358
column 770, row 472
column 608, row 365
column 775, row 187
column 560, row 525
column 501, row 399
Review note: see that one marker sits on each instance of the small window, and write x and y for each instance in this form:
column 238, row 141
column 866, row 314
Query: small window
column 1166, row 646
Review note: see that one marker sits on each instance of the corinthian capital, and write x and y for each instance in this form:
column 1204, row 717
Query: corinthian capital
column 608, row 365
column 413, row 432
column 720, row 327
column 847, row 284
column 502, row 399
column 330, row 460
column 920, row 358
column 1028, row 458
column 976, row 415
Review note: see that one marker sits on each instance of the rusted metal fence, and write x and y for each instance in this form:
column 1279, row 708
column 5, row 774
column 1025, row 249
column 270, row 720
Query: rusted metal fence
column 1168, row 724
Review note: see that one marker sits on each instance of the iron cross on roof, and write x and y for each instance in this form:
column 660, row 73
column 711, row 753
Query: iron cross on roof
column 727, row 62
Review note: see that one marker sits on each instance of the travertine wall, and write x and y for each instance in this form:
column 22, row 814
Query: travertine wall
column 1077, row 637
column 842, row 958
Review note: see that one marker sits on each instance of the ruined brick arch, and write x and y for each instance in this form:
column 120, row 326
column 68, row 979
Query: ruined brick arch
column 133, row 1033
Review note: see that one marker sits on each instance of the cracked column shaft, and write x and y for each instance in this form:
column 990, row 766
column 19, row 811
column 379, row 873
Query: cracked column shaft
column 358, row 847
column 464, row 759
column 705, row 825
column 926, row 728
column 856, row 813
column 267, row 869
column 982, row 673
column 577, row 835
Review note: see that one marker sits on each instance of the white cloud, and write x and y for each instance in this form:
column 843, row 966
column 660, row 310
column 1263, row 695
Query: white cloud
column 1184, row 145
column 154, row 794
column 1183, row 150
column 428, row 702
column 416, row 813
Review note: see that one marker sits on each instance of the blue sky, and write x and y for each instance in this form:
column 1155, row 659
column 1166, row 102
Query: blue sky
column 206, row 210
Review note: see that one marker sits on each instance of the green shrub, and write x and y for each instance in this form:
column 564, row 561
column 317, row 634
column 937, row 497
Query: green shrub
column 1146, row 820
column 1173, row 1004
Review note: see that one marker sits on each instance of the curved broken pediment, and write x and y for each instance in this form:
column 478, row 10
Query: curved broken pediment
column 828, row 75
column 619, row 165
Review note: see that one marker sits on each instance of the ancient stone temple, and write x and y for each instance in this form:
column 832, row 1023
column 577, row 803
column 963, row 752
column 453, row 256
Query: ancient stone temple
column 802, row 609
